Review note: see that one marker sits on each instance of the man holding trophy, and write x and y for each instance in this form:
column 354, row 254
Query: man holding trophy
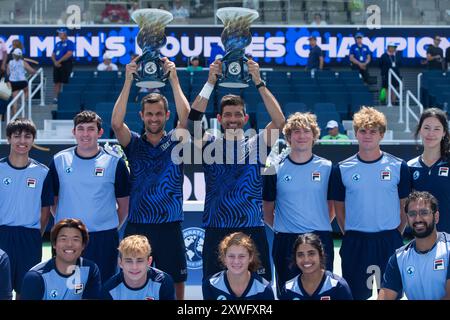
column 156, row 197
column 233, row 200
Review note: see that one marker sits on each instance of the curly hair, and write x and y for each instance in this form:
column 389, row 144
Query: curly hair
column 369, row 117
column 240, row 239
column 301, row 120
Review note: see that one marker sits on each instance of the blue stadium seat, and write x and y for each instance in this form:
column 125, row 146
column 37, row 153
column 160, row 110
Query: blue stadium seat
column 324, row 107
column 325, row 74
column 86, row 74
column 310, row 99
column 75, row 88
column 359, row 99
column 349, row 75
column 69, row 101
column 293, row 107
column 341, row 100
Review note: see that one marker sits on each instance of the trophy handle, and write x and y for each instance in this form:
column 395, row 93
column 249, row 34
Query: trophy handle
column 166, row 75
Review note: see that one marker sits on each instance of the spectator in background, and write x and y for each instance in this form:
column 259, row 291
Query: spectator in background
column 115, row 13
column 194, row 64
column 62, row 61
column 180, row 13
column 435, row 55
column 3, row 57
column 17, row 75
column 315, row 59
column 360, row 57
column 15, row 44
column 390, row 60
column 317, row 20
column 333, row 133
column 107, row 64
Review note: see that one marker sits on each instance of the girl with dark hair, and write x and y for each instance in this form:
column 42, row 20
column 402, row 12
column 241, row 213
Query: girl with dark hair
column 430, row 170
column 314, row 282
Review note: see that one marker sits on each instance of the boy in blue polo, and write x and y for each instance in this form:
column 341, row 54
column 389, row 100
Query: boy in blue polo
column 92, row 185
column 369, row 190
column 25, row 200
column 66, row 276
column 137, row 280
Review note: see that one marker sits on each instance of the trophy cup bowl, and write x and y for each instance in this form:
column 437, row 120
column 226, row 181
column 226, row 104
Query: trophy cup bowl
column 235, row 38
column 151, row 38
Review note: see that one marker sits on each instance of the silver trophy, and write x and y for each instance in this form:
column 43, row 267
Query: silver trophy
column 235, row 38
column 151, row 38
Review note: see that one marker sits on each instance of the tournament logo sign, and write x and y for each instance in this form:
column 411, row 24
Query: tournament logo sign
column 193, row 241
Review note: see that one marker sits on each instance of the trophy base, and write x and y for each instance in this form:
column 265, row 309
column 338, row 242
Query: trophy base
column 233, row 85
column 150, row 84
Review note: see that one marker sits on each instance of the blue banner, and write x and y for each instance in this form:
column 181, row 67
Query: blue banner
column 283, row 46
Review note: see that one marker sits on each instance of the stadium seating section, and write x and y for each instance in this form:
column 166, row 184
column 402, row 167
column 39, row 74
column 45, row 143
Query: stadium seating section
column 435, row 89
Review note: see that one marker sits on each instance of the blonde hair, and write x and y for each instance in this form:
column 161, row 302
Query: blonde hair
column 369, row 117
column 135, row 245
column 301, row 120
column 240, row 239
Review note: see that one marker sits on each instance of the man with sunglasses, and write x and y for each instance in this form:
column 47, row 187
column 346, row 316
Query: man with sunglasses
column 420, row 268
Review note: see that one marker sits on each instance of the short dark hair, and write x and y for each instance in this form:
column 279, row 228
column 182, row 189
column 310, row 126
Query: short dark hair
column 155, row 98
column 425, row 196
column 231, row 100
column 87, row 116
column 68, row 223
column 20, row 125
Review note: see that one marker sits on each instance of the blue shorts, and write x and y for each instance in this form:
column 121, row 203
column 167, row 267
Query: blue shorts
column 364, row 254
column 213, row 237
column 168, row 250
column 102, row 249
column 24, row 248
column 284, row 258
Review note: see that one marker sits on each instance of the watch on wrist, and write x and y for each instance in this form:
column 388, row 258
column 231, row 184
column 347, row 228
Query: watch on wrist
column 261, row 84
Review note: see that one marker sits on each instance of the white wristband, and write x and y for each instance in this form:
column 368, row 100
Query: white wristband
column 206, row 91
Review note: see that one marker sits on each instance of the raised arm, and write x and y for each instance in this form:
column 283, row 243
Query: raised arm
column 200, row 103
column 181, row 102
column 122, row 132
column 203, row 97
column 271, row 103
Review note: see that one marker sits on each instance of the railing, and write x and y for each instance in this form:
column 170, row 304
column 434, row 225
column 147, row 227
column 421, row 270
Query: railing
column 398, row 94
column 409, row 111
column 20, row 96
column 32, row 93
column 419, row 84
